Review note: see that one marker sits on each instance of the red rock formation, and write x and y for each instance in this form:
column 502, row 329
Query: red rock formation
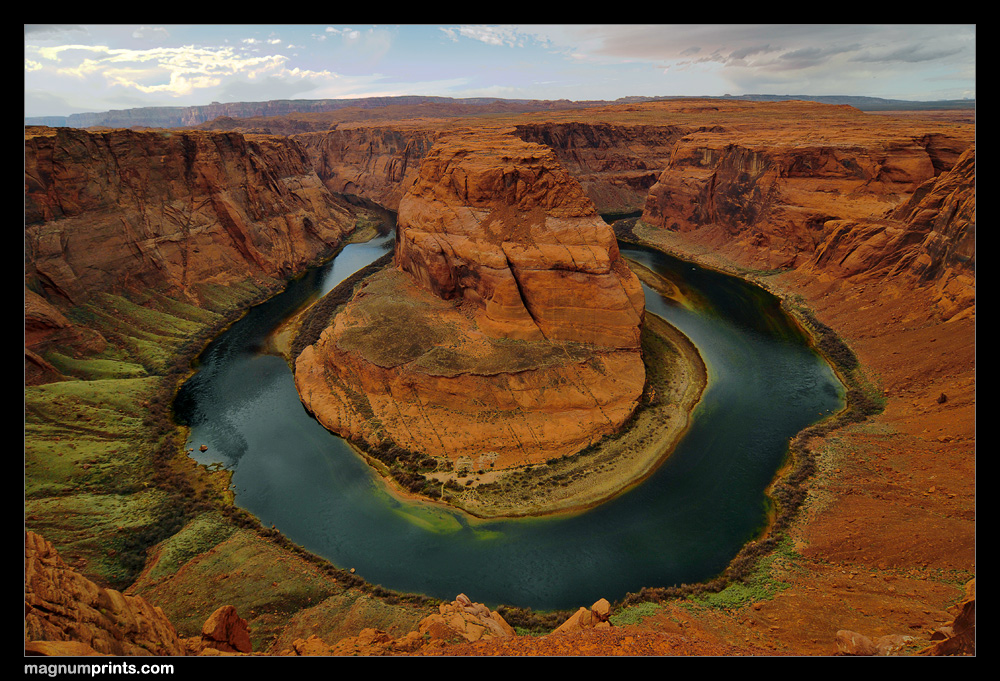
column 616, row 164
column 62, row 605
column 377, row 162
column 594, row 617
column 960, row 637
column 515, row 336
column 502, row 224
column 792, row 196
column 226, row 631
column 168, row 210
column 772, row 200
column 929, row 238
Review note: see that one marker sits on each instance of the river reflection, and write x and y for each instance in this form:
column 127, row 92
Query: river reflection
column 683, row 524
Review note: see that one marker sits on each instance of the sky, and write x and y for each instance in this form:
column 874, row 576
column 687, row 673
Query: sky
column 70, row 68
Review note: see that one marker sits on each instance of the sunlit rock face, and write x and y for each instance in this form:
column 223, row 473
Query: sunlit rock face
column 499, row 222
column 120, row 209
column 508, row 329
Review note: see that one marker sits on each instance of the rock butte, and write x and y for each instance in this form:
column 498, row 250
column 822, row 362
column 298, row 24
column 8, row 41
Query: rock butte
column 508, row 330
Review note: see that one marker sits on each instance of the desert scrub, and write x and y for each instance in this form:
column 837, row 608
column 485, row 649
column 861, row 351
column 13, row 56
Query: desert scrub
column 201, row 534
column 759, row 586
column 635, row 614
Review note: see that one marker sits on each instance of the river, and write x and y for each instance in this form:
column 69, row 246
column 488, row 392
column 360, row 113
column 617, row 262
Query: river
column 682, row 525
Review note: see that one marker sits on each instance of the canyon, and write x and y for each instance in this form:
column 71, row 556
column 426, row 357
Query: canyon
column 141, row 245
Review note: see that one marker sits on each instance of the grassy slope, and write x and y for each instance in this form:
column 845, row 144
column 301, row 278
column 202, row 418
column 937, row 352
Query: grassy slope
column 107, row 480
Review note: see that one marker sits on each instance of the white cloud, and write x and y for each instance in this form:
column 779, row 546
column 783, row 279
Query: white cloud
column 175, row 71
column 511, row 36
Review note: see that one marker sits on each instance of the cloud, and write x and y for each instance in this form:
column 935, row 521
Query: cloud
column 155, row 33
column 510, row 36
column 171, row 71
column 45, row 30
column 910, row 54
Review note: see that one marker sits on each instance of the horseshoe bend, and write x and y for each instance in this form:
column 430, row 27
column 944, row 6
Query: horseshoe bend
column 502, row 350
column 506, row 332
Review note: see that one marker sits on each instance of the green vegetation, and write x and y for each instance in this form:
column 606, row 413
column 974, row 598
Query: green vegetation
column 106, row 477
column 527, row 622
column 760, row 585
column 634, row 614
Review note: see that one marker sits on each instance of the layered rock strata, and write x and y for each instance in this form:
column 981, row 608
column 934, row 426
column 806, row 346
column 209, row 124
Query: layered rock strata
column 167, row 210
column 931, row 238
column 378, row 162
column 508, row 330
column 875, row 199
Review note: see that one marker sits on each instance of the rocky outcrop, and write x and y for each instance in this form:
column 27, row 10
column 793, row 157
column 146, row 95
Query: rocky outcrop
column 614, row 164
column 773, row 201
column 854, row 644
column 594, row 617
column 501, row 224
column 226, row 631
column 459, row 620
column 508, row 330
column 877, row 203
column 931, row 238
column 169, row 211
column 61, row 606
column 959, row 638
column 467, row 620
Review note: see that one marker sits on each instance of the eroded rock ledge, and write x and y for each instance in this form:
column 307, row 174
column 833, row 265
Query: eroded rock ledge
column 506, row 333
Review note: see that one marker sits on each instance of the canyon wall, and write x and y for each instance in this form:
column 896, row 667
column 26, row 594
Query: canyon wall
column 379, row 163
column 508, row 329
column 880, row 209
column 169, row 211
column 929, row 239
column 869, row 221
column 615, row 164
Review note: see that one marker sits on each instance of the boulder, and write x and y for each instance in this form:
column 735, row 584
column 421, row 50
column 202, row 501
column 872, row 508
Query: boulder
column 594, row 617
column 463, row 619
column 225, row 630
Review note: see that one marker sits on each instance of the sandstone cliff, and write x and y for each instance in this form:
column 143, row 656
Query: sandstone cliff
column 169, row 211
column 616, row 164
column 859, row 202
column 893, row 521
column 508, row 333
column 931, row 238
column 377, row 162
